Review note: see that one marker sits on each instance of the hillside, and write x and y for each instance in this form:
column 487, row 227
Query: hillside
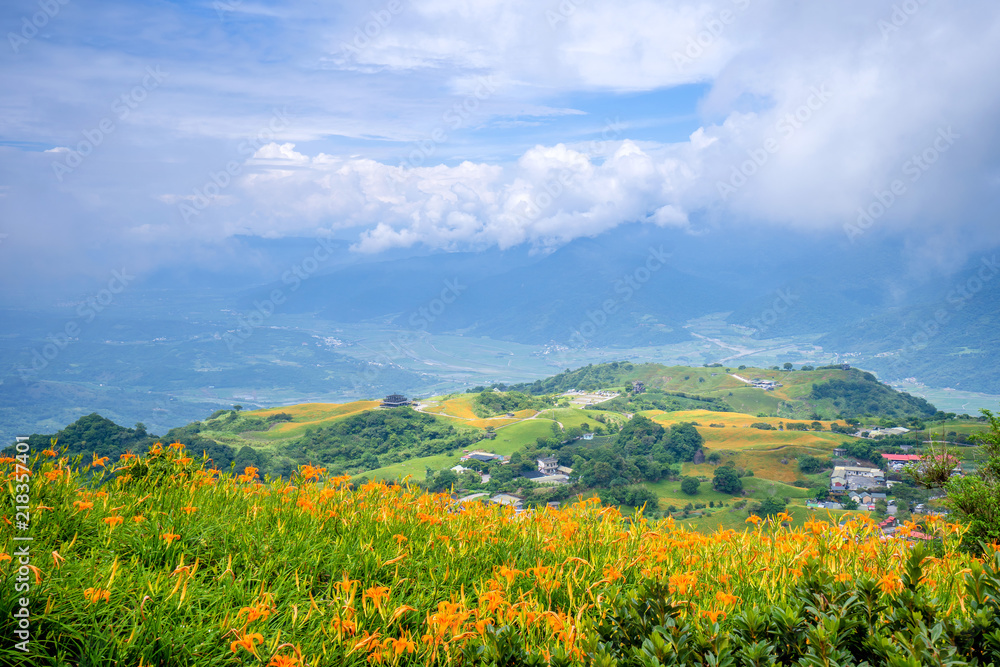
column 173, row 565
column 762, row 434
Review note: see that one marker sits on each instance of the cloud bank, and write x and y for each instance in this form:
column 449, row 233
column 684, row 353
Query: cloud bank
column 467, row 125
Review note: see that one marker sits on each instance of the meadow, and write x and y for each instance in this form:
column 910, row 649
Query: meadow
column 159, row 560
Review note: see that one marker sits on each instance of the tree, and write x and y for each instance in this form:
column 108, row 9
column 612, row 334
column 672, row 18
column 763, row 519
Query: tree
column 850, row 504
column 684, row 441
column 975, row 498
column 689, row 485
column 881, row 508
column 443, row 481
column 768, row 507
column 787, row 366
column 810, row 464
column 727, row 481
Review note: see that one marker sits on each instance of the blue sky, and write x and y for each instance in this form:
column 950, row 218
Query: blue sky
column 164, row 130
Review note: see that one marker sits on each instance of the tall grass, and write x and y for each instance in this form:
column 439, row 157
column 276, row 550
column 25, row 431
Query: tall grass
column 159, row 560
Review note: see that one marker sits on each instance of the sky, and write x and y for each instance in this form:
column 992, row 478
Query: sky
column 152, row 133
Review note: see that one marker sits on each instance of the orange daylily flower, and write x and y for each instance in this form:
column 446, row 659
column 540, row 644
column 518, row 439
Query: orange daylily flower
column 402, row 644
column 96, row 594
column 170, row 537
column 376, row 594
column 248, row 642
column 113, row 521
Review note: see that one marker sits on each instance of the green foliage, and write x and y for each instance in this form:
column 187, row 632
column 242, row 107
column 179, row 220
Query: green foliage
column 811, row 465
column 491, row 403
column 95, row 435
column 630, row 496
column 689, row 485
column 820, row 623
column 863, row 394
column 588, row 377
column 768, row 507
column 976, row 498
column 726, row 480
column 376, row 438
column 657, row 399
column 640, row 435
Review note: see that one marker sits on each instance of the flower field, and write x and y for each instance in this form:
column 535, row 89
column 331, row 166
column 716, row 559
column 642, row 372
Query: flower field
column 158, row 560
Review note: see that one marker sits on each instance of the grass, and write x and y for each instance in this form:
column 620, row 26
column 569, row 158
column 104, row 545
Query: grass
column 306, row 416
column 155, row 560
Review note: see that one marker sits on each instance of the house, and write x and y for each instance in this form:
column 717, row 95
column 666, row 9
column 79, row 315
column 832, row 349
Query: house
column 851, row 478
column 507, row 500
column 472, row 498
column 549, row 479
column 839, row 451
column 395, row 401
column 638, row 387
column 877, row 432
column 459, row 469
column 588, row 436
column 484, row 457
column 898, row 461
column 548, row 465
column 511, row 414
column 766, row 385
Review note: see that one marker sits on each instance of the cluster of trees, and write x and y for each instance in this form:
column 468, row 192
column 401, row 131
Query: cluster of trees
column 797, row 426
column 811, row 465
column 657, row 399
column 630, row 496
column 490, row 403
column 862, row 394
column 376, row 438
column 588, row 377
column 643, row 451
column 727, row 480
column 95, row 435
column 768, row 507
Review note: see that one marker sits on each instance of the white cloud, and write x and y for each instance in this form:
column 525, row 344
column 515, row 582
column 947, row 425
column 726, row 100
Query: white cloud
column 354, row 117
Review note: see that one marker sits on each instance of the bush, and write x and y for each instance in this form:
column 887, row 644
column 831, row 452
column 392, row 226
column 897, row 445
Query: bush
column 689, row 485
column 727, row 481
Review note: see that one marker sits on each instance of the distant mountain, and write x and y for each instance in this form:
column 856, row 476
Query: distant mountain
column 947, row 336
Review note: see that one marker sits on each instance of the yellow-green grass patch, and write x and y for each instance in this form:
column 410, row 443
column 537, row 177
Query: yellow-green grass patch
column 308, row 415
